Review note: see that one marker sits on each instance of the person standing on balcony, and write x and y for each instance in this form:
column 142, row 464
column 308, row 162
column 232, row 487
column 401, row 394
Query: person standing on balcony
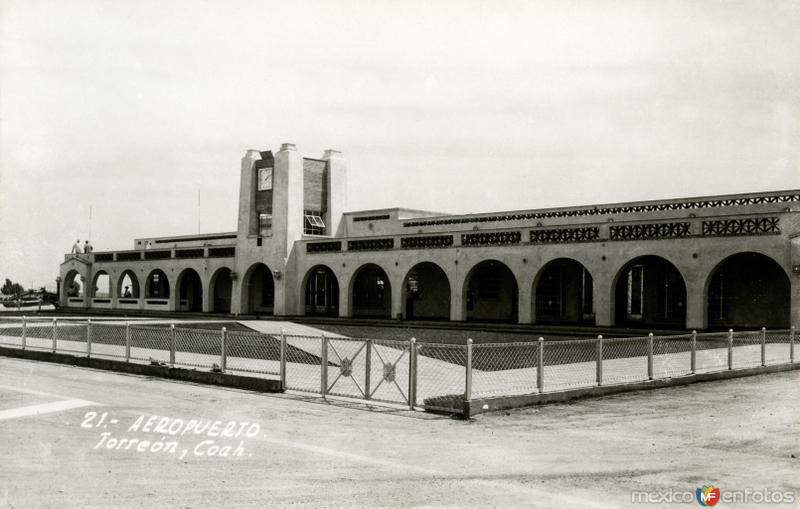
column 87, row 248
column 76, row 248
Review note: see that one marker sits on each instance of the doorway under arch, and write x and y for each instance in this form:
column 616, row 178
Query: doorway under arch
column 650, row 291
column 190, row 291
column 258, row 290
column 749, row 290
column 491, row 293
column 221, row 289
column 371, row 292
column 564, row 293
column 321, row 292
column 157, row 285
column 426, row 293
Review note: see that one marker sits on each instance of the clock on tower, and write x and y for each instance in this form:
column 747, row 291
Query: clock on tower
column 264, row 179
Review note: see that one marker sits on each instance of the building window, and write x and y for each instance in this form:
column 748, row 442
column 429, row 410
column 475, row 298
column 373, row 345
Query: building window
column 265, row 225
column 635, row 291
column 412, row 285
column 587, row 290
column 313, row 223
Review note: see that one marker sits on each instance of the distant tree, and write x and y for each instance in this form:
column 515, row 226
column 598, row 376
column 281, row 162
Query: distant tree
column 10, row 288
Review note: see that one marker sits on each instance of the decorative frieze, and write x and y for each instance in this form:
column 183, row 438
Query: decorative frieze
column 604, row 211
column 189, row 253
column 650, row 231
column 429, row 242
column 559, row 235
column 491, row 239
column 157, row 255
column 324, row 247
column 381, row 217
column 370, row 244
column 221, row 252
column 129, row 256
column 745, row 226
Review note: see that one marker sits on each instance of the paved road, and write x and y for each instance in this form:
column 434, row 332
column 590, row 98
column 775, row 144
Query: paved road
column 304, row 452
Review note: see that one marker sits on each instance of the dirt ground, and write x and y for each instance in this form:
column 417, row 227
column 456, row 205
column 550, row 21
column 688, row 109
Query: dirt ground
column 736, row 434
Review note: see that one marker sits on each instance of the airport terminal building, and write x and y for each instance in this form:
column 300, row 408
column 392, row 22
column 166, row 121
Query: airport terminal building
column 696, row 263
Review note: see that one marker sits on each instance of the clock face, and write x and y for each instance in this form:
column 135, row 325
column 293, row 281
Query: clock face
column 264, row 179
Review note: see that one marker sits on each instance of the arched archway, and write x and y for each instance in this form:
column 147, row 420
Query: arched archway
column 491, row 293
column 221, row 290
column 563, row 293
column 73, row 284
column 321, row 290
column 426, row 293
column 157, row 285
column 128, row 285
column 371, row 292
column 650, row 290
column 258, row 290
column 749, row 290
column 190, row 291
column 101, row 285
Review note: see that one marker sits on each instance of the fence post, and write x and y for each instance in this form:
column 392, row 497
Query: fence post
column 763, row 346
column 694, row 351
column 468, row 379
column 55, row 333
column 368, row 369
column 172, row 345
column 127, row 341
column 323, row 369
column 24, row 332
column 412, row 373
column 223, row 360
column 599, row 360
column 540, row 366
column 283, row 360
column 650, row 356
column 791, row 345
column 730, row 349
column 89, row 337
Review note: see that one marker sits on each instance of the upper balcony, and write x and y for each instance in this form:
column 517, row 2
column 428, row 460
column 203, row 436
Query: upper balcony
column 220, row 251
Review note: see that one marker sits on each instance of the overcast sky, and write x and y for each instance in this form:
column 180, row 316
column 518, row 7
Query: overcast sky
column 132, row 106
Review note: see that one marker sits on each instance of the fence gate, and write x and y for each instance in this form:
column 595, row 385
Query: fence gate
column 370, row 370
column 343, row 368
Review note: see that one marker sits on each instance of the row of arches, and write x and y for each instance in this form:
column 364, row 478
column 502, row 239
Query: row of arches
column 157, row 287
column 746, row 289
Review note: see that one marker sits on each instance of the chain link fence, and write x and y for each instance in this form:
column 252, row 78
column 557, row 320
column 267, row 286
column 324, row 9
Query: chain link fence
column 414, row 374
column 504, row 368
column 251, row 352
column 441, row 376
column 625, row 360
column 672, row 355
column 569, row 364
column 303, row 363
